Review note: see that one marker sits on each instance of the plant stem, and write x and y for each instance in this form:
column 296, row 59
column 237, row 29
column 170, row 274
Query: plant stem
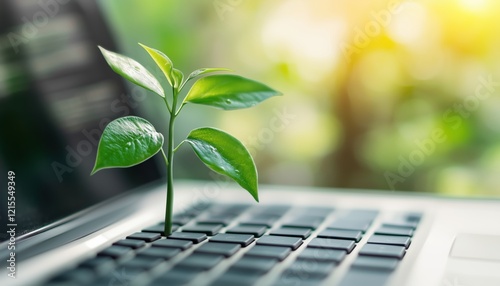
column 170, row 167
column 164, row 156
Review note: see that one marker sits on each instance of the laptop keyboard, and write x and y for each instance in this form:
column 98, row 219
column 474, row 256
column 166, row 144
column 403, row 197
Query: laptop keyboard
column 221, row 244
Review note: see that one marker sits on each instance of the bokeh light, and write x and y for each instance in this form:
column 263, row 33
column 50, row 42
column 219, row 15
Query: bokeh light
column 367, row 85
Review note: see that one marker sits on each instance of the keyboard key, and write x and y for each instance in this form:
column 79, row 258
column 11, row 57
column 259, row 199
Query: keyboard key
column 361, row 214
column 237, row 277
column 261, row 265
column 181, row 219
column 278, row 210
column 390, row 239
column 277, row 252
column 314, row 211
column 382, row 263
column 394, row 231
column 77, row 276
column 174, row 277
column 347, row 224
column 200, row 207
column 319, row 254
column 173, row 243
column 159, row 228
column 201, row 261
column 224, row 220
column 226, row 249
column 121, row 275
column 332, row 243
column 311, row 268
column 256, row 231
column 414, row 216
column 100, row 265
column 400, row 223
column 146, row 236
column 383, row 250
column 261, row 220
column 292, row 231
column 158, row 252
column 244, row 273
column 361, row 277
column 116, row 251
column 192, row 212
column 305, row 221
column 242, row 239
column 132, row 243
column 208, row 229
column 228, row 210
column 342, row 234
column 192, row 236
column 145, row 263
column 293, row 277
column 292, row 242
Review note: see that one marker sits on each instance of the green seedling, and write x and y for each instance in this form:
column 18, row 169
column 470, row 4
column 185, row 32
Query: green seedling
column 131, row 140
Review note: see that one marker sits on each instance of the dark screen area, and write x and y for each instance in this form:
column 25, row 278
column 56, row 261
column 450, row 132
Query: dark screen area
column 56, row 96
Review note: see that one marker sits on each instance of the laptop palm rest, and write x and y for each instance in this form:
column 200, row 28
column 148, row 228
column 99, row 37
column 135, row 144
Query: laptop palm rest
column 476, row 246
column 474, row 260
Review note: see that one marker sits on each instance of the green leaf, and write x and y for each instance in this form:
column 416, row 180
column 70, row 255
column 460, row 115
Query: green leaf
column 178, row 77
column 225, row 155
column 163, row 62
column 228, row 92
column 126, row 142
column 203, row 71
column 132, row 71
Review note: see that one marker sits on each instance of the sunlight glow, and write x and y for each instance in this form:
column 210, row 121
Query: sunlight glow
column 408, row 27
column 474, row 5
column 295, row 31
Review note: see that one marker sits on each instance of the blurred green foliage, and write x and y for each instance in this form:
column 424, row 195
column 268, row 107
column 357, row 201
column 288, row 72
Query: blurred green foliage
column 383, row 94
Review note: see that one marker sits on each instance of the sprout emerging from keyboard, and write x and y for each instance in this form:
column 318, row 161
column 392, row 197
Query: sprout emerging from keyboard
column 131, row 140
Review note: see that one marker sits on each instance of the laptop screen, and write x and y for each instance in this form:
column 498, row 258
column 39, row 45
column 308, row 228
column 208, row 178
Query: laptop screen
column 56, row 96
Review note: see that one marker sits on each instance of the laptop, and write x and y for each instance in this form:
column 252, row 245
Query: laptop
column 60, row 226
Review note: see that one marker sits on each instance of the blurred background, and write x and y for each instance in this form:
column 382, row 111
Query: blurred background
column 400, row 95
column 389, row 95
